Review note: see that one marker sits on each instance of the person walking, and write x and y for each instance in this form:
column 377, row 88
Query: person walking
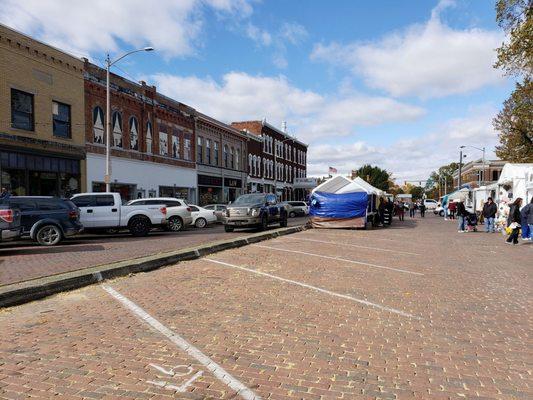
column 489, row 213
column 412, row 209
column 422, row 209
column 513, row 221
column 461, row 214
column 381, row 211
column 452, row 208
column 527, row 221
column 400, row 210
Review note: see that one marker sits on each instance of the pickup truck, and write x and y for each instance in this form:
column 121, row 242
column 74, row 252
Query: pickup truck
column 104, row 211
column 10, row 227
column 254, row 210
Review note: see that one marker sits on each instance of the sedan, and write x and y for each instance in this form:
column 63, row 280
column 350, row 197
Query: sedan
column 202, row 217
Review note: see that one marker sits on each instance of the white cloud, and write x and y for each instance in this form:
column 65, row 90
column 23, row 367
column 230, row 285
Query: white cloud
column 84, row 27
column 426, row 60
column 259, row 36
column 241, row 97
column 414, row 158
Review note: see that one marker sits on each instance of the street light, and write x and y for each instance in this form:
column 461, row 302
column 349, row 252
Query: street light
column 109, row 64
column 480, row 149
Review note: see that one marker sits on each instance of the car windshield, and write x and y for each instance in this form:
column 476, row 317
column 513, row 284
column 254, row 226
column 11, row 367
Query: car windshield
column 249, row 199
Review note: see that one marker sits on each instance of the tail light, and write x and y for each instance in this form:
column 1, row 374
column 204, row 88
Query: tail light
column 189, row 209
column 163, row 210
column 73, row 214
column 7, row 215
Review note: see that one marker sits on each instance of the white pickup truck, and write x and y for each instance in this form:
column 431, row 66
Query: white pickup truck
column 105, row 211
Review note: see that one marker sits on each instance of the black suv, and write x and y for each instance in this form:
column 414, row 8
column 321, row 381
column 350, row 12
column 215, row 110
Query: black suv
column 46, row 219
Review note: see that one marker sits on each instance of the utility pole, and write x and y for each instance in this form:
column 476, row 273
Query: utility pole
column 460, row 168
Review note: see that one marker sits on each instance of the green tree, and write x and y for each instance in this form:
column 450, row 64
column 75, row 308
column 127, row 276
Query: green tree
column 417, row 192
column 442, row 178
column 376, row 176
column 515, row 57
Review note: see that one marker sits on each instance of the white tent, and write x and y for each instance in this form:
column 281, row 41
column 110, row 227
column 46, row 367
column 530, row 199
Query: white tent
column 333, row 185
column 359, row 183
column 514, row 181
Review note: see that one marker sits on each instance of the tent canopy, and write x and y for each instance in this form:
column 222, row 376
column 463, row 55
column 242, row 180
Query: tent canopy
column 510, row 172
column 367, row 186
column 333, row 185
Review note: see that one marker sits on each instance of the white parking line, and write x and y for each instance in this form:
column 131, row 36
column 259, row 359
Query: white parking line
column 355, row 245
column 181, row 343
column 340, row 259
column 325, row 291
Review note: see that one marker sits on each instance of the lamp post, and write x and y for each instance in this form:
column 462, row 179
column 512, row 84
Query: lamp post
column 482, row 149
column 109, row 64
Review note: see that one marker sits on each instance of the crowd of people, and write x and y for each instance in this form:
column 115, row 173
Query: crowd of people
column 387, row 209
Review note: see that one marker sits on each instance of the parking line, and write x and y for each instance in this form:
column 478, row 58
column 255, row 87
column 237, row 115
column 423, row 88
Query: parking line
column 181, row 343
column 355, row 245
column 317, row 289
column 340, row 259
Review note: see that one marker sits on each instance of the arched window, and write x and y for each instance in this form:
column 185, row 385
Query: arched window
column 250, row 160
column 254, row 165
column 117, row 129
column 134, row 133
column 98, row 125
column 232, row 158
column 237, row 159
column 265, row 168
column 271, row 169
column 149, row 137
column 258, row 166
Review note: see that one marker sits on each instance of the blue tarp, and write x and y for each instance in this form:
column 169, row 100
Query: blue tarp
column 342, row 206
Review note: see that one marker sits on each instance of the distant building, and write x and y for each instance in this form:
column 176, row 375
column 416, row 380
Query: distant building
column 152, row 138
column 221, row 154
column 274, row 166
column 472, row 172
column 42, row 141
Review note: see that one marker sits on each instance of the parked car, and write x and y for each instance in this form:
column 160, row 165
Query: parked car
column 10, row 227
column 430, row 204
column 298, row 208
column 103, row 211
column 202, row 217
column 252, row 210
column 219, row 209
column 48, row 220
column 179, row 213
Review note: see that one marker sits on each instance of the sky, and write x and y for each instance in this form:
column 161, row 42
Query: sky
column 398, row 84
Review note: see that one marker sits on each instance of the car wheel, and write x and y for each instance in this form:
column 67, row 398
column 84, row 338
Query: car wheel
column 441, row 213
column 48, row 235
column 228, row 228
column 292, row 214
column 201, row 223
column 264, row 222
column 175, row 224
column 283, row 222
column 139, row 226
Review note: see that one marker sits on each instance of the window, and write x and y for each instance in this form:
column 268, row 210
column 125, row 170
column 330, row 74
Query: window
column 237, row 159
column 216, row 152
column 61, row 119
column 23, row 204
column 226, row 155
column 98, row 125
column 232, row 158
column 22, row 110
column 175, row 146
column 105, row 201
column 250, row 161
column 265, row 168
column 84, row 201
column 117, row 129
column 187, row 149
column 254, row 164
column 194, row 209
column 294, row 154
column 258, row 166
column 134, row 133
column 199, row 150
column 208, row 151
column 149, row 137
column 163, row 144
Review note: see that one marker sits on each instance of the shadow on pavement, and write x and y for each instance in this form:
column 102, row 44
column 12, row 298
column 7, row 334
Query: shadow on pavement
column 36, row 249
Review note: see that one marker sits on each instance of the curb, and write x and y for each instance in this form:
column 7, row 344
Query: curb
column 24, row 292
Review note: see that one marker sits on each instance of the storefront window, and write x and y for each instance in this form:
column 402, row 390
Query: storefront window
column 187, row 149
column 43, row 184
column 174, row 191
column 210, row 195
column 14, row 180
column 216, row 153
column 117, row 129
column 134, row 133
column 69, row 184
column 98, row 125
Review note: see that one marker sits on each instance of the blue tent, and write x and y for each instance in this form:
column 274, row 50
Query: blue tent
column 338, row 210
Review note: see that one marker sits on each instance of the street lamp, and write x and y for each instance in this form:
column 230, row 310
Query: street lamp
column 482, row 149
column 109, row 64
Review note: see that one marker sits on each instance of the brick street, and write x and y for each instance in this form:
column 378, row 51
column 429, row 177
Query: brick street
column 412, row 311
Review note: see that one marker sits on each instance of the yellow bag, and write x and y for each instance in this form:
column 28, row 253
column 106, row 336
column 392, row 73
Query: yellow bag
column 508, row 230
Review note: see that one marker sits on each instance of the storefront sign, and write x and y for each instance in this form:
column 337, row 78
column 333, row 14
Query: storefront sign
column 305, row 183
column 206, row 180
column 234, row 183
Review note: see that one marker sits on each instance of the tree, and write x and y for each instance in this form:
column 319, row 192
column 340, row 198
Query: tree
column 515, row 124
column 442, row 178
column 515, row 57
column 515, row 17
column 376, row 176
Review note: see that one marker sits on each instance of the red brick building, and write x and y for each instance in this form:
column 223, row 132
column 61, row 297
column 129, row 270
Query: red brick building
column 152, row 139
column 275, row 160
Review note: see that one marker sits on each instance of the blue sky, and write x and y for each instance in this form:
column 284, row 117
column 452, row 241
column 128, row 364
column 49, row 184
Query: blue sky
column 400, row 84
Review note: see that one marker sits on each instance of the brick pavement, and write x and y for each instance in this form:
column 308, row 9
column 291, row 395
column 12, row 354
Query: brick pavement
column 471, row 293
column 24, row 260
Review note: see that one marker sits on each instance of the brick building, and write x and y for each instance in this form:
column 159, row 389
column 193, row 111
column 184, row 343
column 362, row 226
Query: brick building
column 42, row 137
column 221, row 152
column 474, row 171
column 152, row 138
column 275, row 160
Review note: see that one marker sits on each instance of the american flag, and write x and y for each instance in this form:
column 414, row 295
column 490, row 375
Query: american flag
column 332, row 170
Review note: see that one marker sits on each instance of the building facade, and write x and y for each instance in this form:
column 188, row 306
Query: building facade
column 42, row 140
column 152, row 139
column 475, row 171
column 274, row 166
column 221, row 152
